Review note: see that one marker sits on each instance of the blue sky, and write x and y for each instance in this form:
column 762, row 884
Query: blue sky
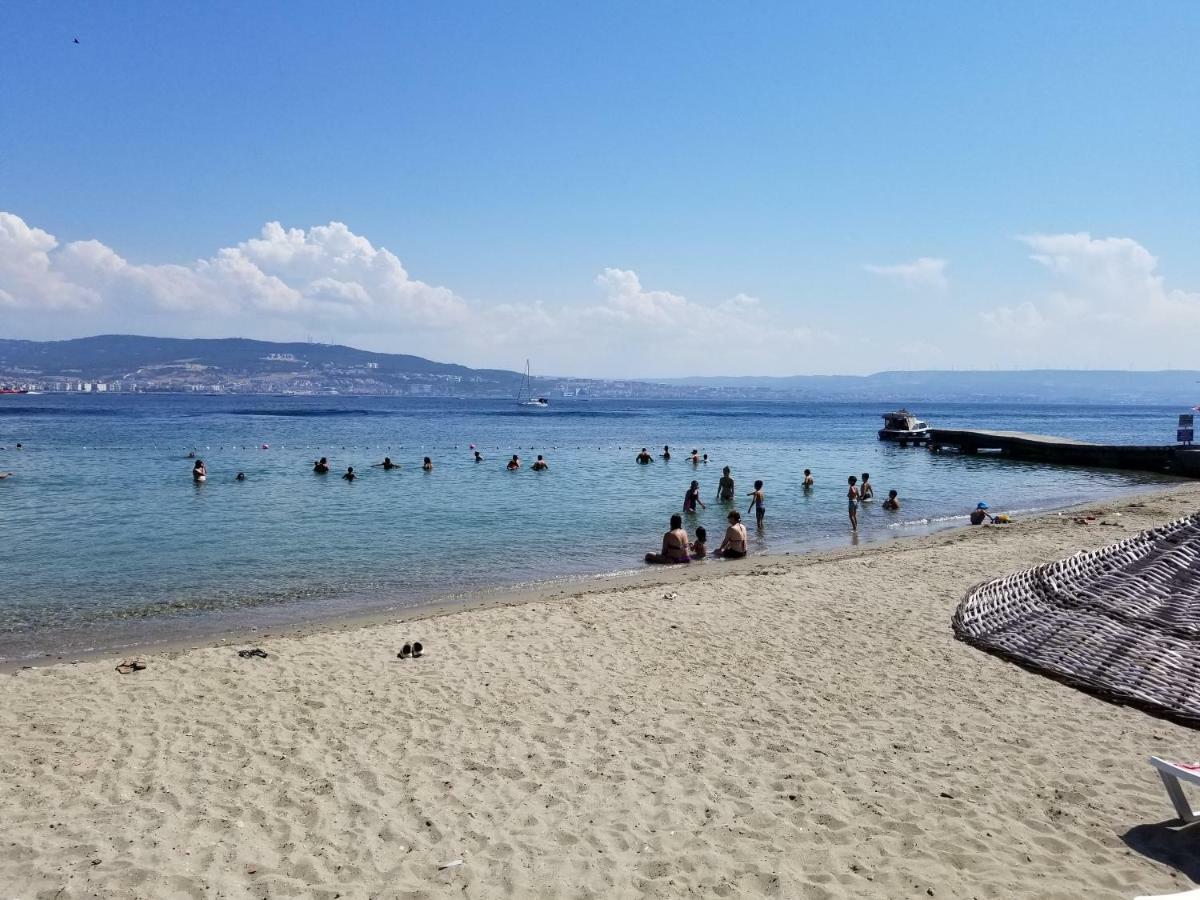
column 769, row 175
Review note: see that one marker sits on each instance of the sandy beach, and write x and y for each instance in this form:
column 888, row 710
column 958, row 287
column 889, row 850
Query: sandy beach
column 792, row 726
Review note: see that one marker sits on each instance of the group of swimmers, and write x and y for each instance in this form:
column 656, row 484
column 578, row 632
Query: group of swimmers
column 678, row 548
column 322, row 467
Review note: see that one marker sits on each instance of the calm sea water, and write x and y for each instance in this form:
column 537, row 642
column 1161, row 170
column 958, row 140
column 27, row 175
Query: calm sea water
column 107, row 542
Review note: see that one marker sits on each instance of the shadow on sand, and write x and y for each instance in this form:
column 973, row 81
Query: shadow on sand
column 1169, row 843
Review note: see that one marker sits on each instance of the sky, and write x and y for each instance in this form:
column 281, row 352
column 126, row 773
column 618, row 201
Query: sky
column 611, row 189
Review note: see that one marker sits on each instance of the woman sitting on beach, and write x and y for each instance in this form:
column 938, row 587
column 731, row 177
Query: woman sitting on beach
column 674, row 545
column 734, row 545
column 892, row 502
column 692, row 497
column 199, row 472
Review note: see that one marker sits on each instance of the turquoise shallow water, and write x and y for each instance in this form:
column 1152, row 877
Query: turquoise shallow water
column 108, row 542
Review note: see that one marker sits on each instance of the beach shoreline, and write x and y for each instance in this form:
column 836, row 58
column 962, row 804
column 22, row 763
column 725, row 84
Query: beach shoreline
column 639, row 575
column 801, row 727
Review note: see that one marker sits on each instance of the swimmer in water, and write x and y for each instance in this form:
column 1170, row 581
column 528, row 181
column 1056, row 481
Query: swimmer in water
column 199, row 472
column 387, row 465
column 427, row 465
column 478, row 456
column 241, row 476
column 758, row 503
column 808, row 479
column 692, row 497
column 666, row 454
column 892, row 502
column 644, row 458
column 725, row 487
column 866, row 490
column 321, row 466
column 514, row 463
column 704, row 459
column 539, row 464
column 349, row 476
column 4, row 475
column 695, row 458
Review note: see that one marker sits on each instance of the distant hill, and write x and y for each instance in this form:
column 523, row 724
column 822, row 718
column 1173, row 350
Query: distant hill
column 130, row 362
column 110, row 356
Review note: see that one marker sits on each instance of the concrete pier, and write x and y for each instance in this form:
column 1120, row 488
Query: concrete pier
column 1173, row 459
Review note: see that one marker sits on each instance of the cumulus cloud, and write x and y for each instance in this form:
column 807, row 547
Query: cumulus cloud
column 286, row 282
column 1107, row 305
column 925, row 272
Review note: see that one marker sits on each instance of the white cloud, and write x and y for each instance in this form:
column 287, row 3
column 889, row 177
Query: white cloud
column 289, row 281
column 923, row 273
column 1107, row 305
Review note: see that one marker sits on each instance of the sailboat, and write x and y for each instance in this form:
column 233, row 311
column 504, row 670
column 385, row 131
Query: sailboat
column 525, row 394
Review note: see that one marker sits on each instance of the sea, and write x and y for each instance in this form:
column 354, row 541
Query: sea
column 106, row 543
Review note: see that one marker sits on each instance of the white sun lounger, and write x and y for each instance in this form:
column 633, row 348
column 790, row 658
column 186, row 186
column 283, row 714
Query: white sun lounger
column 1171, row 774
column 1186, row 895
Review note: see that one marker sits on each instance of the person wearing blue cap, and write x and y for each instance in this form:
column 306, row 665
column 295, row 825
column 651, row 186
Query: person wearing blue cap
column 980, row 514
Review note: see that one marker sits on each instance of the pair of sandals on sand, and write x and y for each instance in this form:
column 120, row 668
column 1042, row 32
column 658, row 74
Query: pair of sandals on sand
column 126, row 666
column 413, row 651
column 254, row 653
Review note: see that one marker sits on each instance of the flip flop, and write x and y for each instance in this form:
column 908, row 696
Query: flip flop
column 251, row 654
column 130, row 665
column 405, row 652
column 417, row 649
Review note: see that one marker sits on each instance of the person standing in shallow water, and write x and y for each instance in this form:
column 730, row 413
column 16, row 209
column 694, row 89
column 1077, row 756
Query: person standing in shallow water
column 758, row 503
column 692, row 497
column 866, row 490
column 199, row 472
column 808, row 479
column 725, row 487
column 321, row 466
column 852, row 502
column 540, row 464
column 666, row 454
column 427, row 465
column 349, row 476
column 644, row 458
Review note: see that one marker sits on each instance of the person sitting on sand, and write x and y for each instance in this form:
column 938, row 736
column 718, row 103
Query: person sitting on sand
column 321, row 466
column 514, row 463
column 478, row 456
column 199, row 471
column 734, row 545
column 427, row 465
column 758, row 503
column 349, row 476
column 700, row 544
column 539, row 464
column 980, row 514
column 808, row 479
column 674, row 545
column 866, row 490
column 666, row 454
column 692, row 497
column 892, row 502
column 644, row 458
column 695, row 457
column 387, row 465
column 725, row 487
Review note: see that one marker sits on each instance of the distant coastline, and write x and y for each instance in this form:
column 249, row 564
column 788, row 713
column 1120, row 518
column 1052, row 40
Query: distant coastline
column 139, row 364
